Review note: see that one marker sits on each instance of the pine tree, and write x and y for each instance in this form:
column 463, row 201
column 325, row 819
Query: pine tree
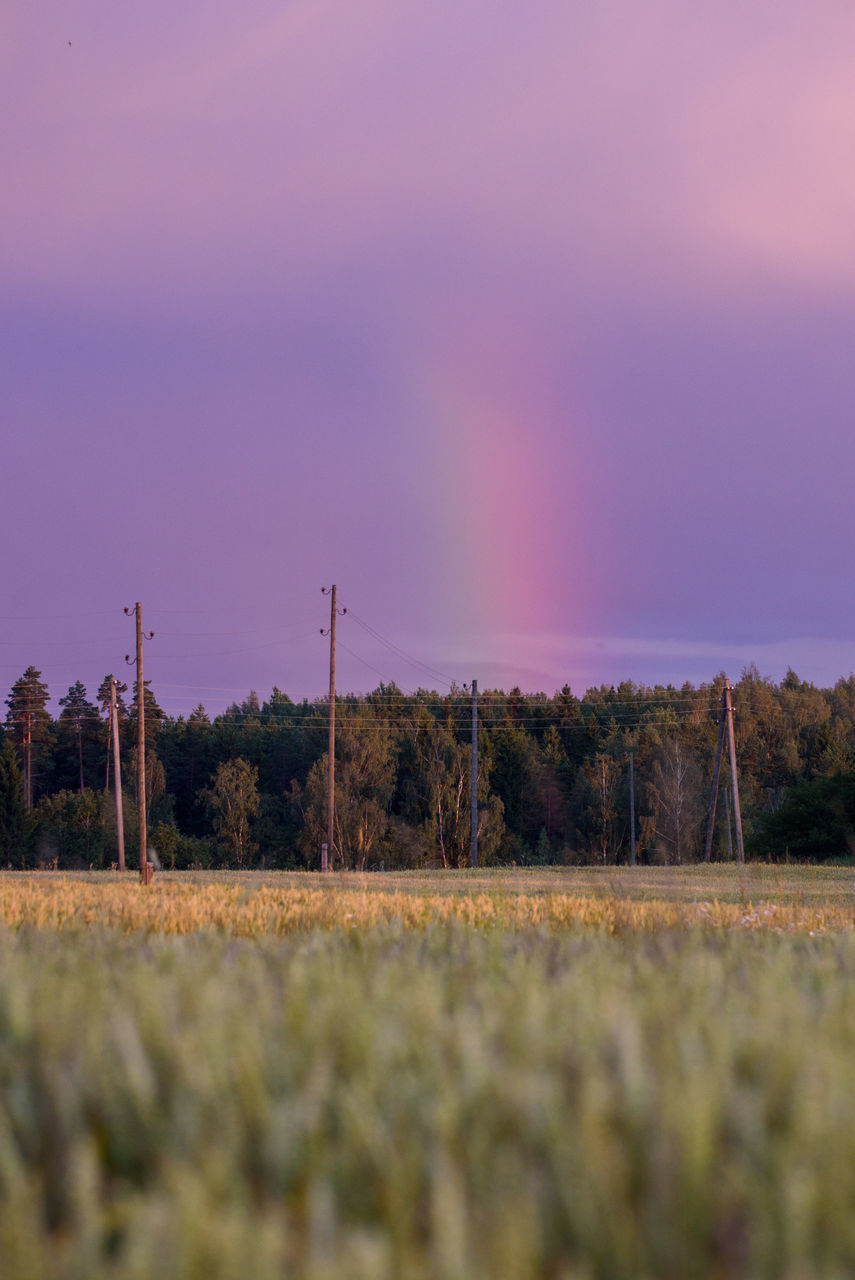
column 79, row 719
column 155, row 716
column 12, row 809
column 29, row 722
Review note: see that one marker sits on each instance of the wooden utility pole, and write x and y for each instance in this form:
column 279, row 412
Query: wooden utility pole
column 28, row 759
column 79, row 728
column 331, row 591
column 725, row 722
column 714, row 793
column 145, row 871
column 734, row 781
column 631, row 810
column 117, row 772
column 141, row 746
column 331, row 761
column 474, row 773
column 729, row 824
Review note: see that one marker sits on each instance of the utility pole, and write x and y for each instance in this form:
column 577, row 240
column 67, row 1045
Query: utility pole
column 716, row 773
column 729, row 824
column 331, row 591
column 474, row 773
column 28, row 759
column 117, row 772
column 734, row 781
column 80, row 752
column 726, row 722
column 631, row 810
column 146, row 875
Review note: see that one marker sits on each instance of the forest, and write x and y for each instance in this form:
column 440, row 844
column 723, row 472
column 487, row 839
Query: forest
column 248, row 788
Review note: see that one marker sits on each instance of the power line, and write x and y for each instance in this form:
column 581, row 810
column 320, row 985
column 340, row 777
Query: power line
column 60, row 644
column 55, row 617
column 416, row 662
column 538, row 709
column 294, row 718
column 370, row 666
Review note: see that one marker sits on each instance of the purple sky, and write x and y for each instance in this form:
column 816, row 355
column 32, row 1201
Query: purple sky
column 531, row 326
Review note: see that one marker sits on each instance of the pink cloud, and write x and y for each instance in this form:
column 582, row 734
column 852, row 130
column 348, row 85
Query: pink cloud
column 166, row 147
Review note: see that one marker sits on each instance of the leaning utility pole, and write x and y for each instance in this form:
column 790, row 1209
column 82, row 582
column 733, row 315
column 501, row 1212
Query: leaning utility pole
column 737, row 812
column 474, row 773
column 117, row 772
column 145, row 875
column 331, row 591
column 714, row 793
column 725, row 722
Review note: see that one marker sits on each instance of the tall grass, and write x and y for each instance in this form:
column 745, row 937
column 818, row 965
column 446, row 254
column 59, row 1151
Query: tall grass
column 436, row 1101
column 412, row 1077
column 252, row 904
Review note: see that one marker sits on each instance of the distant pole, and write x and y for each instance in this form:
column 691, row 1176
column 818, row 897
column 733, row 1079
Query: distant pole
column 80, row 752
column 141, row 744
column 716, row 771
column 137, row 611
column 734, row 781
column 331, row 591
column 474, row 773
column 117, row 772
column 28, row 758
column 631, row 810
column 331, row 795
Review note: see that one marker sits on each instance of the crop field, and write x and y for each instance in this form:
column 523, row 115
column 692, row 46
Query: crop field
column 583, row 1075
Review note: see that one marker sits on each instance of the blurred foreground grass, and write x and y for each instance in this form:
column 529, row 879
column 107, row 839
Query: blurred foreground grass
column 361, row 1093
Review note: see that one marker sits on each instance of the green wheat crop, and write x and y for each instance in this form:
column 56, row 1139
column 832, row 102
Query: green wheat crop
column 352, row 1091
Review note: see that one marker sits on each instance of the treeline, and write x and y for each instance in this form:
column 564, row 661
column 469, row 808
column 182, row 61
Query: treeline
column 248, row 788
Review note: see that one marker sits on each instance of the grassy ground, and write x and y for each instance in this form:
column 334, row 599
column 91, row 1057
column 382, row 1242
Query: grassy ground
column 571, row 1074
column 253, row 903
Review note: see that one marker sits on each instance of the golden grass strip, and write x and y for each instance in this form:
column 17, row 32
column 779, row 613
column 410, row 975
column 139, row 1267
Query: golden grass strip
column 241, row 909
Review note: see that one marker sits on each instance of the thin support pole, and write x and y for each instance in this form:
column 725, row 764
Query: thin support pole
column 117, row 772
column 146, row 868
column 716, row 772
column 734, row 781
column 331, row 787
column 331, row 591
column 474, row 773
column 28, row 758
column 631, row 809
column 141, row 745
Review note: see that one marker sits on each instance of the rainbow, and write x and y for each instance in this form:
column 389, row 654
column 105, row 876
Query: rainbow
column 511, row 532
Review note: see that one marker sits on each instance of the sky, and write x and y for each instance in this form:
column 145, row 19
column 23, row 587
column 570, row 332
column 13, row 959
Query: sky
column 530, row 326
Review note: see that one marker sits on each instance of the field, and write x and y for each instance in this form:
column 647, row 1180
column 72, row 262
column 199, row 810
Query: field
column 564, row 1074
